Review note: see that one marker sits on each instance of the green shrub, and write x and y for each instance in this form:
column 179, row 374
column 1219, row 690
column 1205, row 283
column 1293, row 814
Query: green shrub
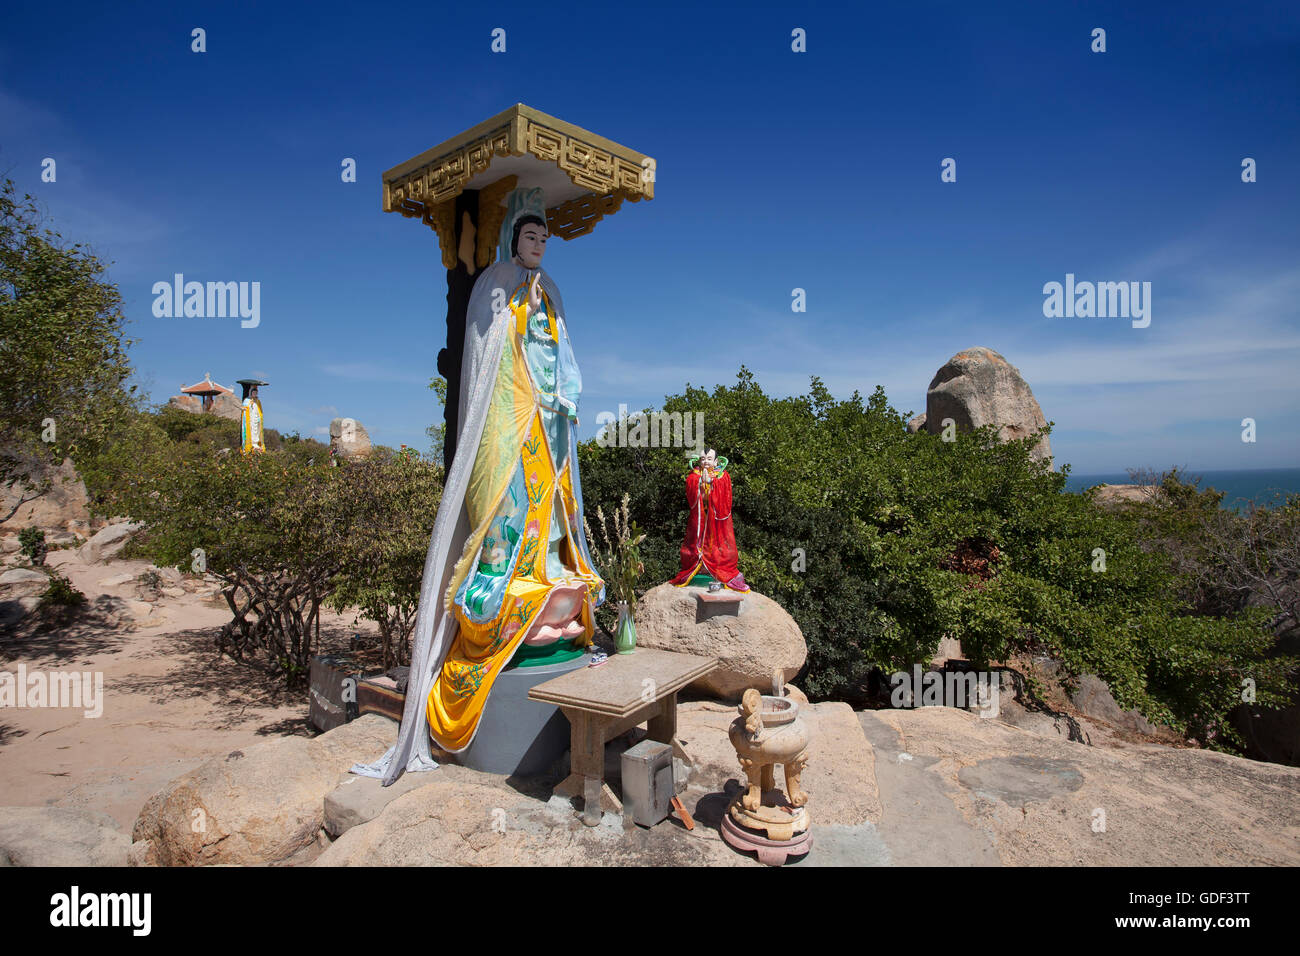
column 879, row 542
column 60, row 593
column 32, row 543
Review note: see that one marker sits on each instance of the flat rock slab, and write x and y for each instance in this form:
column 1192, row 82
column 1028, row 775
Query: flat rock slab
column 957, row 789
column 838, row 845
column 357, row 800
column 465, row 817
column 24, row 576
column 487, row 823
column 1021, row 780
column 58, row 836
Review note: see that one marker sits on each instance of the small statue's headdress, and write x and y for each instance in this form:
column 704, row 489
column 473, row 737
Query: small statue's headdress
column 692, row 460
column 249, row 384
column 520, row 203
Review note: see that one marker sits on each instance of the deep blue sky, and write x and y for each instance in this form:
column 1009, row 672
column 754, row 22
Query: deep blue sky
column 776, row 170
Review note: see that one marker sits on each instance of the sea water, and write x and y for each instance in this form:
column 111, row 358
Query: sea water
column 1264, row 486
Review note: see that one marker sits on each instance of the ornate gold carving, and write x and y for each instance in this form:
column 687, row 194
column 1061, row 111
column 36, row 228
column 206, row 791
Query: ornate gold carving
column 579, row 216
column 423, row 187
column 491, row 212
column 442, row 219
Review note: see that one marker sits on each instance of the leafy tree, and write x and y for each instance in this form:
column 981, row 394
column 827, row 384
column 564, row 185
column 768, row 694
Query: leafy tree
column 32, row 543
column 271, row 528
column 393, row 500
column 437, row 432
column 63, row 362
column 286, row 532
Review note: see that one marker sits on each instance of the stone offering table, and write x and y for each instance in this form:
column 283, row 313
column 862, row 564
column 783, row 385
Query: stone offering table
column 603, row 702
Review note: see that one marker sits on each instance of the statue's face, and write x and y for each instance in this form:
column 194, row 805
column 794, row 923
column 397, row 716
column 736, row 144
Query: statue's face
column 710, row 460
column 531, row 246
column 252, row 392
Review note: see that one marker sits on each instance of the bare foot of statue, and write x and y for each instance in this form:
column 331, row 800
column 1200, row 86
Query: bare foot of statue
column 558, row 618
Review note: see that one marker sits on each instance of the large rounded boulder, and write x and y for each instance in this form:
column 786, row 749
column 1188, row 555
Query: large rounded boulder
column 750, row 640
column 978, row 387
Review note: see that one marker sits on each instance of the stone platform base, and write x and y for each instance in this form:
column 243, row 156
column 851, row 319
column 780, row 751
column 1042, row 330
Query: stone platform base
column 770, row 852
column 770, row 818
column 517, row 735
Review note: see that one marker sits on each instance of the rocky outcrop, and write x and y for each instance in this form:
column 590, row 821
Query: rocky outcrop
column 464, row 817
column 17, row 581
column 959, row 789
column 749, row 644
column 259, row 805
column 1117, row 495
column 978, row 387
column 223, row 406
column 20, row 593
column 108, row 541
column 65, row 502
column 57, row 836
column 1091, row 697
column 349, row 438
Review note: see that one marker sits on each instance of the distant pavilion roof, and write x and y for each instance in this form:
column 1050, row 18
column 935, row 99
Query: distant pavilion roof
column 207, row 387
column 583, row 176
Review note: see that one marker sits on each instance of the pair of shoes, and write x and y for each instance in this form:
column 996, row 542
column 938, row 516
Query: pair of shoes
column 598, row 658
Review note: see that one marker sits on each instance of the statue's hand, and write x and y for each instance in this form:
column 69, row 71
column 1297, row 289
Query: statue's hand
column 534, row 294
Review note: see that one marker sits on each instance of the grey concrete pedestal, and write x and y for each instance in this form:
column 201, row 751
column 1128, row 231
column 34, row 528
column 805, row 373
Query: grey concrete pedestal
column 517, row 735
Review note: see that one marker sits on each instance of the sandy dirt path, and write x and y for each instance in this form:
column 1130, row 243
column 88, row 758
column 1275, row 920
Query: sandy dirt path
column 169, row 702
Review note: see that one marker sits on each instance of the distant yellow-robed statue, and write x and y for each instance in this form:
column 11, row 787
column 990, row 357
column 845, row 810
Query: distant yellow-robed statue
column 250, row 419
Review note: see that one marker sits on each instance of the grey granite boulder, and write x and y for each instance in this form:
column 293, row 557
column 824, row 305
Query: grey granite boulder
column 978, row 387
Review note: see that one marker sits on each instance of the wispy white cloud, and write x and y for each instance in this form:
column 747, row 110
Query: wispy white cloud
column 1222, row 345
column 373, row 372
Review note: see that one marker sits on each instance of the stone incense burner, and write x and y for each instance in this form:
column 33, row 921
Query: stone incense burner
column 769, row 732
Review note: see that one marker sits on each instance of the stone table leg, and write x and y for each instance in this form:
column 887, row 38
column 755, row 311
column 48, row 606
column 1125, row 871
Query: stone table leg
column 664, row 727
column 587, row 759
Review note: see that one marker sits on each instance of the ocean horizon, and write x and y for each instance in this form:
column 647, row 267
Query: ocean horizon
column 1266, row 487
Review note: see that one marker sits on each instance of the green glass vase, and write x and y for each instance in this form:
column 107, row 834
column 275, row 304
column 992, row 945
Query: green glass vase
column 625, row 634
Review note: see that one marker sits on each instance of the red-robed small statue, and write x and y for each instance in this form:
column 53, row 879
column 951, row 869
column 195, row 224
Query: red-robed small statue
column 709, row 548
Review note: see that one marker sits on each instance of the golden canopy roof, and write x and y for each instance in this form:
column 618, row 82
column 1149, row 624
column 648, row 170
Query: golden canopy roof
column 584, row 178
